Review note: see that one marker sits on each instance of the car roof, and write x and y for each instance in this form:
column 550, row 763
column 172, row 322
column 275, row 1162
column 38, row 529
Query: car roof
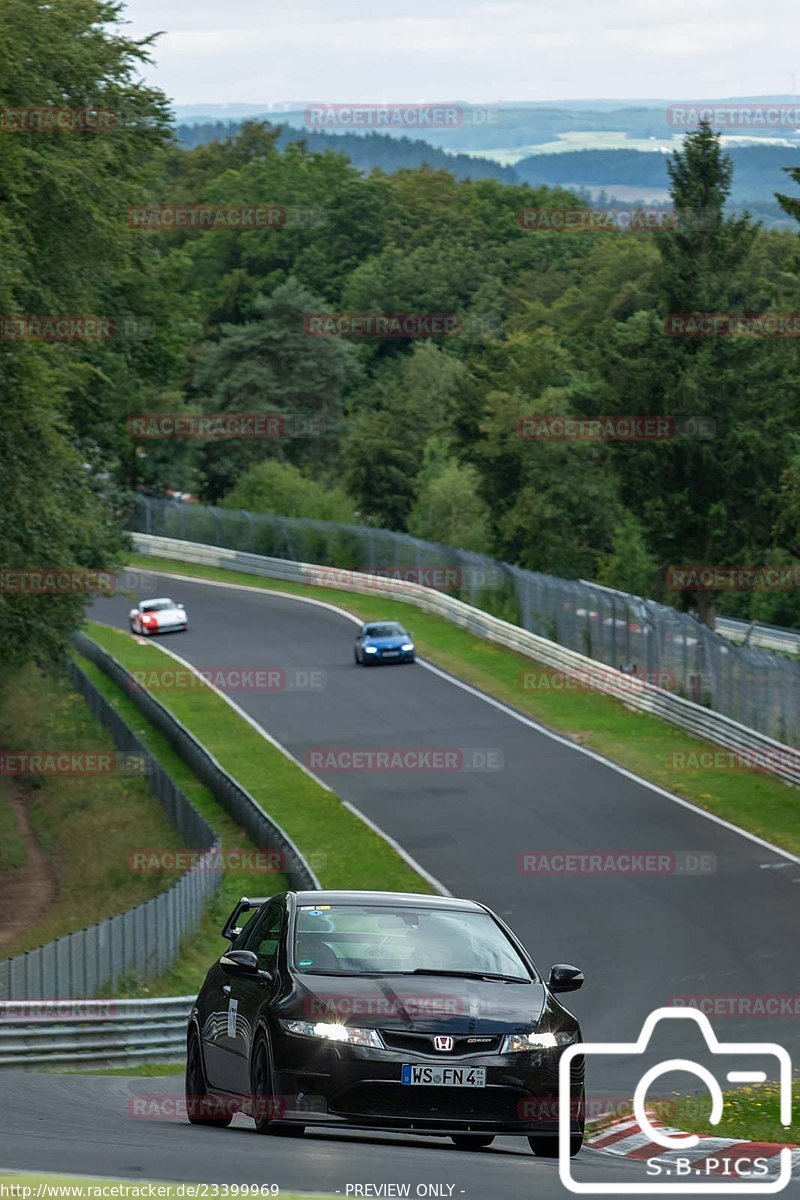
column 397, row 899
column 369, row 624
column 157, row 600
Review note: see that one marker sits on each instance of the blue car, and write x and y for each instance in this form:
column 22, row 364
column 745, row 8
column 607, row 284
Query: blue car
column 383, row 641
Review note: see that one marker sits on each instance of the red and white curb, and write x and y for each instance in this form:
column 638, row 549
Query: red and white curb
column 711, row 1156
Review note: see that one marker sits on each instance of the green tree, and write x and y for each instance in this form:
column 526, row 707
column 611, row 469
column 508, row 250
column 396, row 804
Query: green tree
column 280, row 487
column 449, row 507
column 64, row 246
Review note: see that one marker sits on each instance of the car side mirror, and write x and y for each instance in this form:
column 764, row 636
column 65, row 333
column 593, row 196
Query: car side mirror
column 179, row 606
column 242, row 962
column 564, row 978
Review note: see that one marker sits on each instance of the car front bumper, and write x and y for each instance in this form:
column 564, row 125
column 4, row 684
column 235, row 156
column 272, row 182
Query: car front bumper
column 347, row 1086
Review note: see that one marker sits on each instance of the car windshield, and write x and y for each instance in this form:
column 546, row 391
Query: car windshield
column 390, row 629
column 353, row 939
column 156, row 605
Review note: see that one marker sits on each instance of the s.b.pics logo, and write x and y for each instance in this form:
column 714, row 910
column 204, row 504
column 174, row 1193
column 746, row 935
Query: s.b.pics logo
column 682, row 1162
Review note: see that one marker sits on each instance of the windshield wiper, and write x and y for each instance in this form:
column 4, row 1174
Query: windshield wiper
column 470, row 975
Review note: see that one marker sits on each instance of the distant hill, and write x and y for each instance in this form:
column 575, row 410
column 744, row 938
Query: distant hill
column 758, row 171
column 365, row 151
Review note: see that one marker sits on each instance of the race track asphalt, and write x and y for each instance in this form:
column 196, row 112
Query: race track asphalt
column 641, row 939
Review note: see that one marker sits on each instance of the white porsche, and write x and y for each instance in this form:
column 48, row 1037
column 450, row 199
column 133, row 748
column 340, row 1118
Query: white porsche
column 157, row 616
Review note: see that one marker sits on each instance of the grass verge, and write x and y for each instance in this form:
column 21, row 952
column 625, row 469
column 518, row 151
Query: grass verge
column 84, row 824
column 345, row 852
column 750, row 1113
column 754, row 800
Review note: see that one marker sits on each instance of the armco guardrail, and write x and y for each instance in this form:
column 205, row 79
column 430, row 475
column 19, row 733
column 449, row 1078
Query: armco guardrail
column 113, row 1032
column 143, row 941
column 266, row 833
column 754, row 747
column 765, row 637
column 757, row 687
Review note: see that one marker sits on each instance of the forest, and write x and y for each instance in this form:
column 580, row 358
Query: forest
column 420, row 432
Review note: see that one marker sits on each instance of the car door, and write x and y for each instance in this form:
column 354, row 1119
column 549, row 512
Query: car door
column 217, row 1023
column 248, row 993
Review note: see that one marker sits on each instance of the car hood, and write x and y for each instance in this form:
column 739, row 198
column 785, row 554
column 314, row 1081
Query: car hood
column 166, row 614
column 386, row 643
column 423, row 1003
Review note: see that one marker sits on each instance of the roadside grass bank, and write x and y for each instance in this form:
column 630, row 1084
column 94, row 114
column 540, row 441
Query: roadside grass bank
column 84, row 823
column 750, row 1113
column 652, row 748
column 344, row 852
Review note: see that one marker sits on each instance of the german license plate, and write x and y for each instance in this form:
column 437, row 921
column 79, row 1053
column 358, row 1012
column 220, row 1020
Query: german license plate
column 416, row 1076
column 391, row 654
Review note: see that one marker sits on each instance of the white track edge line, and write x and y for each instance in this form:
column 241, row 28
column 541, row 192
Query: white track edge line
column 390, row 841
column 517, row 716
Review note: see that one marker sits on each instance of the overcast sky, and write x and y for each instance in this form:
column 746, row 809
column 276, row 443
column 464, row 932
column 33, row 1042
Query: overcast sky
column 261, row 51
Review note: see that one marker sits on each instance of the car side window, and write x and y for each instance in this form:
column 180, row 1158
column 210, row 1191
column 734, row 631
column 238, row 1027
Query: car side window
column 265, row 937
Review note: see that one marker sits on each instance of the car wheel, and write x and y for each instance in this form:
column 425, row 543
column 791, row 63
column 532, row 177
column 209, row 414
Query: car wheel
column 546, row 1145
column 468, row 1141
column 133, row 627
column 199, row 1104
column 261, row 1087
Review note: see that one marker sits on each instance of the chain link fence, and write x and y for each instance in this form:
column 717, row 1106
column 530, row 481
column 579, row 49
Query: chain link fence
column 144, row 941
column 655, row 642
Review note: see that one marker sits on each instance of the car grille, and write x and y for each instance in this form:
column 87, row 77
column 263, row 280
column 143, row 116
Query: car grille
column 392, row 1101
column 422, row 1043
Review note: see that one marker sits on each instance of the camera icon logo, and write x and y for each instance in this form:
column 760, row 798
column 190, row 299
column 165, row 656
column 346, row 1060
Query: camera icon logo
column 660, row 1137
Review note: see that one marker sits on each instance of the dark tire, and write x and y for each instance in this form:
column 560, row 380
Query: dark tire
column 261, row 1087
column 199, row 1105
column 546, row 1146
column 471, row 1141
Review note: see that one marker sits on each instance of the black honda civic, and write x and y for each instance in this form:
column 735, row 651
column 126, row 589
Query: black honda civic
column 382, row 1010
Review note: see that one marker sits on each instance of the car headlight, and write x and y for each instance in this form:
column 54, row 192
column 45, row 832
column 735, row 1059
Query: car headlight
column 407, row 646
column 371, row 649
column 514, row 1042
column 334, row 1033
